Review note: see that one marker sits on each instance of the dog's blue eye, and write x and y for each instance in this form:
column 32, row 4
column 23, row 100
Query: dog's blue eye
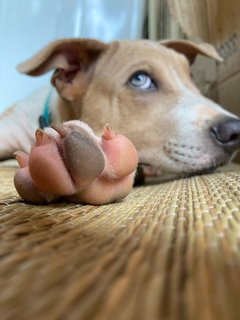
column 142, row 81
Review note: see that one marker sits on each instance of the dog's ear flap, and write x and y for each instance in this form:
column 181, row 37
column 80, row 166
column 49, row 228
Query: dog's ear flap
column 191, row 49
column 62, row 54
column 67, row 57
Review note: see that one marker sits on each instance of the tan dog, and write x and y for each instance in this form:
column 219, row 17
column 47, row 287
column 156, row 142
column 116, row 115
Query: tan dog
column 142, row 88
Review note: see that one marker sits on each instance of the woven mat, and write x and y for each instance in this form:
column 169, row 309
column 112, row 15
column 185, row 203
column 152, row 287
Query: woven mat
column 168, row 251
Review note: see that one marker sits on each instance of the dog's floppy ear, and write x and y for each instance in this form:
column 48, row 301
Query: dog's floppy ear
column 191, row 49
column 67, row 57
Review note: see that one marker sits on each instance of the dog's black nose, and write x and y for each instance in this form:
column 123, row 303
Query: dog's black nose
column 227, row 134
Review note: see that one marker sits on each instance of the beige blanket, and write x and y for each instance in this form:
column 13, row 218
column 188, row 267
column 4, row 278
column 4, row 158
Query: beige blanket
column 167, row 251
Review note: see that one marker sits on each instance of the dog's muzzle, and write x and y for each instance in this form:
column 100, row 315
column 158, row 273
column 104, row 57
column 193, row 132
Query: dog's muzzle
column 226, row 134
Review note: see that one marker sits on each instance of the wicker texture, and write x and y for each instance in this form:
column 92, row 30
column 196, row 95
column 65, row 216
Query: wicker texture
column 168, row 251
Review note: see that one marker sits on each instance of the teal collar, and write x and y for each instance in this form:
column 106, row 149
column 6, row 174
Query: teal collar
column 45, row 118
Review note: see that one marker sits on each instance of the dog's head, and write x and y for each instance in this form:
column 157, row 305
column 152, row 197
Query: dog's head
column 144, row 90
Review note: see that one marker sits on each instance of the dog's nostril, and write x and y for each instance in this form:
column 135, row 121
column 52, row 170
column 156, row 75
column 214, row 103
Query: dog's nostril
column 227, row 134
column 235, row 137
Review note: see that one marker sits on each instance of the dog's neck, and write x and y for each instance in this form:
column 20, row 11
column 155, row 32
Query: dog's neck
column 61, row 109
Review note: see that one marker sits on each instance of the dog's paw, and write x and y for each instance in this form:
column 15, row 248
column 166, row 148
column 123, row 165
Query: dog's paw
column 70, row 161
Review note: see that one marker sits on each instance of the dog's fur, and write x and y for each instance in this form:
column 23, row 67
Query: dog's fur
column 169, row 121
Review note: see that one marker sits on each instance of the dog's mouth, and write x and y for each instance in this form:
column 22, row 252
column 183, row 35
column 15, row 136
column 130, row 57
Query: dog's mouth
column 176, row 161
column 149, row 170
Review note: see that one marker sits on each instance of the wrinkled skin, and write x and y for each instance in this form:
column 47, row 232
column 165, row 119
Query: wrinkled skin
column 68, row 161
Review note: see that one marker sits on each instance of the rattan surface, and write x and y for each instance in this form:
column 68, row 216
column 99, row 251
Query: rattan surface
column 168, row 251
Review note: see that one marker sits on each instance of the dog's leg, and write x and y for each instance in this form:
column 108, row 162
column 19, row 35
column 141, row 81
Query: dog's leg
column 70, row 161
column 19, row 123
column 16, row 132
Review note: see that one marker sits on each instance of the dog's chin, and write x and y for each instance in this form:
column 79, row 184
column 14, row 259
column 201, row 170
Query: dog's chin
column 164, row 174
column 199, row 172
column 155, row 172
column 207, row 168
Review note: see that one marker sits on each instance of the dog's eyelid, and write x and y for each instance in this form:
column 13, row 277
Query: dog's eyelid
column 141, row 71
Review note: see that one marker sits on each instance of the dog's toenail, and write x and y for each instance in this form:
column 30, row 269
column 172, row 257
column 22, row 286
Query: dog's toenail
column 39, row 135
column 60, row 129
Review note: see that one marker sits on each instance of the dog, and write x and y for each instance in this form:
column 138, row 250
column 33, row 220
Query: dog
column 143, row 89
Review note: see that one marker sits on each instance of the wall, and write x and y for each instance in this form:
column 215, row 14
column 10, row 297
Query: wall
column 216, row 22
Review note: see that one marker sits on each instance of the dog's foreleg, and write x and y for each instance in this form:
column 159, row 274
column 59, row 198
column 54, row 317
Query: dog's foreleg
column 16, row 131
column 19, row 123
